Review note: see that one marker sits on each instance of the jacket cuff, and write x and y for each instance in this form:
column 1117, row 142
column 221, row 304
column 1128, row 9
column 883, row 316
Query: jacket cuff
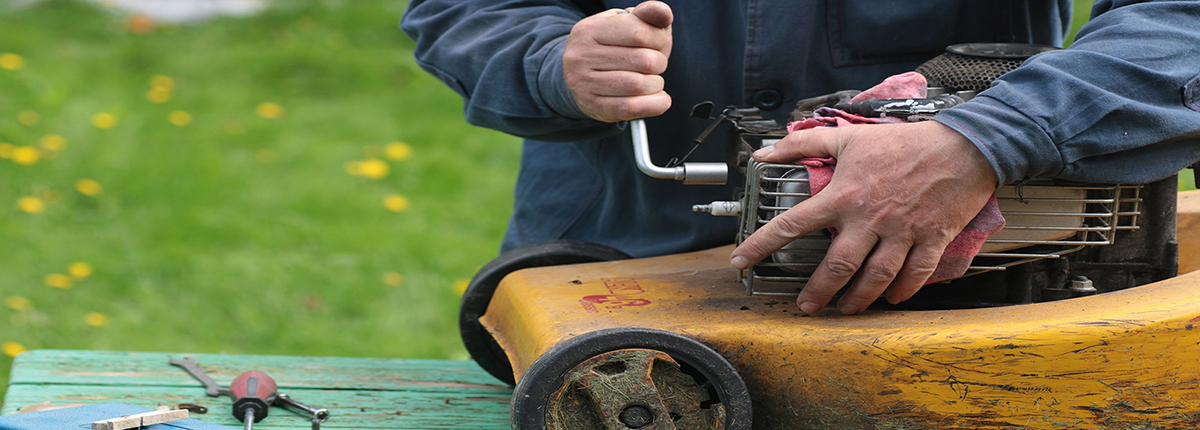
column 1016, row 146
column 552, row 83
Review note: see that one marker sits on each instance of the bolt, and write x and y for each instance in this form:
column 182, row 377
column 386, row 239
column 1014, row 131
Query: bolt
column 636, row 416
column 1082, row 284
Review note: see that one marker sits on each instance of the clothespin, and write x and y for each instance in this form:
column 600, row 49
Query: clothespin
column 138, row 421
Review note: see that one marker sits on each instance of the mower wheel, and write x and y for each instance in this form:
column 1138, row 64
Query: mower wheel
column 625, row 378
column 479, row 343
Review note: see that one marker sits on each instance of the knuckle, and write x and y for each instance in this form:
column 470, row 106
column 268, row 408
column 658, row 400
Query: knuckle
column 839, row 266
column 584, row 26
column 649, row 61
column 788, row 227
column 641, row 36
column 879, row 273
column 625, row 108
column 921, row 269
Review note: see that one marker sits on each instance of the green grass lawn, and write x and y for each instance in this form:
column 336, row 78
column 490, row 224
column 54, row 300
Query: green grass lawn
column 237, row 233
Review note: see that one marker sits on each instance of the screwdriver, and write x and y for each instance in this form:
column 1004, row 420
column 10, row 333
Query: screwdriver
column 252, row 392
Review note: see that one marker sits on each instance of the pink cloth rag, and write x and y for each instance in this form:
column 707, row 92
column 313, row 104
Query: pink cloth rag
column 962, row 250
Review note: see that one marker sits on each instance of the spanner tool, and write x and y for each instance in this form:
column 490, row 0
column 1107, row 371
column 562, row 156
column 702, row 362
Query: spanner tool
column 193, row 367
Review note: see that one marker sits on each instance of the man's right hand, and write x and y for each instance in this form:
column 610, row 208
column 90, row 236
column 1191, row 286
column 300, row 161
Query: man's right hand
column 613, row 60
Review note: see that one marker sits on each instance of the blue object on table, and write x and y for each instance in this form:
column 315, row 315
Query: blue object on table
column 82, row 417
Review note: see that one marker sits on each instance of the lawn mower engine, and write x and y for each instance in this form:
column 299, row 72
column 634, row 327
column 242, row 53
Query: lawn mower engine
column 595, row 340
column 1061, row 239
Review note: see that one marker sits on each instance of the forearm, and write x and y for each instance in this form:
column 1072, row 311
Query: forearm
column 505, row 59
column 1120, row 105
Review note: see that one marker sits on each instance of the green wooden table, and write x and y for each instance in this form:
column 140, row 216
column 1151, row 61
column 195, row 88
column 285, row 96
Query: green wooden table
column 360, row 393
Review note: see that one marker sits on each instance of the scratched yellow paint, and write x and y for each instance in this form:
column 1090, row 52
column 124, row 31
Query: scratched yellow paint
column 1113, row 361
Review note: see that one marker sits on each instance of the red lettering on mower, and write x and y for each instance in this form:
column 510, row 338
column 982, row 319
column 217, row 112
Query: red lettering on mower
column 623, row 292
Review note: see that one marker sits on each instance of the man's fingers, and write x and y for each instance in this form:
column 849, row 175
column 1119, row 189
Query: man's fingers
column 630, row 108
column 637, row 35
column 655, row 13
column 875, row 276
column 842, row 261
column 802, row 219
column 922, row 261
column 610, row 58
column 620, row 83
column 811, row 143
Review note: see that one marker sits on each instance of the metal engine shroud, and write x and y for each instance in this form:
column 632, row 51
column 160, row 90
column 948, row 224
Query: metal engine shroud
column 1061, row 239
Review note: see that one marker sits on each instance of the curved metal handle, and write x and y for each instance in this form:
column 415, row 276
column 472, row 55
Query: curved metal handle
column 700, row 173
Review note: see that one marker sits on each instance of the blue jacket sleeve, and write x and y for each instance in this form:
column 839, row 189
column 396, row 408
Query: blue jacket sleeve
column 505, row 58
column 1122, row 104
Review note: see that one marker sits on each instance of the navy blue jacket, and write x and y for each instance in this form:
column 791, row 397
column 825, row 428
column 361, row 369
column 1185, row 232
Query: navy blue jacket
column 1122, row 104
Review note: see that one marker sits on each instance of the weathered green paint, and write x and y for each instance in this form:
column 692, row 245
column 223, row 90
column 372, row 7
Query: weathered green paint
column 359, row 392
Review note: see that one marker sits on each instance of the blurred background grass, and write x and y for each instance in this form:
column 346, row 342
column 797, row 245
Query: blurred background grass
column 236, row 232
column 290, row 183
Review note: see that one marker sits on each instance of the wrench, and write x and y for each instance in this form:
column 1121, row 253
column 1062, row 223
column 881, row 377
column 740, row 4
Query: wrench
column 285, row 401
column 193, row 367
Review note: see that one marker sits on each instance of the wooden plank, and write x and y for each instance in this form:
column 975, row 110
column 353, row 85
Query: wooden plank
column 151, row 368
column 359, row 392
column 349, row 409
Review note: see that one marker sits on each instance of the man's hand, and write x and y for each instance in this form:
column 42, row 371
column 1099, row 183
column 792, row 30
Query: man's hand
column 899, row 194
column 613, row 59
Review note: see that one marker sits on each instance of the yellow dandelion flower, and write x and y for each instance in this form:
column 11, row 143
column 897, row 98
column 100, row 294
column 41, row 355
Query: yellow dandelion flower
column 372, row 151
column 13, row 349
column 269, row 110
column 104, row 121
column 26, row 155
column 460, row 286
column 80, row 270
column 29, row 118
column 51, row 196
column 96, row 319
column 233, row 126
column 6, row 150
column 395, row 203
column 156, row 95
column 88, row 187
column 179, row 118
column 140, row 24
column 53, row 142
column 18, row 303
column 58, row 280
column 264, row 155
column 162, row 82
column 374, row 169
column 399, row 151
column 10, row 61
column 393, row 279
column 30, row 204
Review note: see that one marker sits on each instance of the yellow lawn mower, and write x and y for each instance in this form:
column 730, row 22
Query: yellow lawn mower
column 1072, row 316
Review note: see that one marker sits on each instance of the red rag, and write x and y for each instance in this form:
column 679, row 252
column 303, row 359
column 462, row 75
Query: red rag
column 957, row 257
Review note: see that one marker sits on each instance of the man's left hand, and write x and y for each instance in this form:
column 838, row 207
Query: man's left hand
column 899, row 194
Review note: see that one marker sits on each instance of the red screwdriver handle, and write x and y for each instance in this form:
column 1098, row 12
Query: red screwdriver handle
column 252, row 390
column 253, row 384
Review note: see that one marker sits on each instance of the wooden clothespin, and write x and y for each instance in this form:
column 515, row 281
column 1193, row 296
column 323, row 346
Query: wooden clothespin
column 138, row 421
